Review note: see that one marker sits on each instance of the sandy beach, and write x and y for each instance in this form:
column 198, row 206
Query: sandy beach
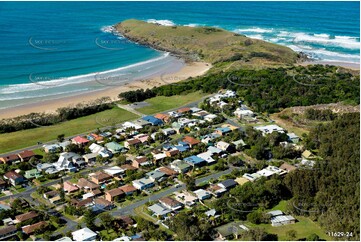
column 189, row 70
column 352, row 66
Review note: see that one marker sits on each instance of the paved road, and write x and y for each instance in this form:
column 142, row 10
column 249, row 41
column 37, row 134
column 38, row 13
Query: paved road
column 129, row 209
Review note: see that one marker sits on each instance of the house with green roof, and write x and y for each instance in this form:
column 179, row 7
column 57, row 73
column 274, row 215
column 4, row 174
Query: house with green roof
column 114, row 147
column 33, row 173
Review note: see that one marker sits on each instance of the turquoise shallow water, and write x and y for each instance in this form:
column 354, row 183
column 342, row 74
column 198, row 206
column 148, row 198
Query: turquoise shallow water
column 65, row 45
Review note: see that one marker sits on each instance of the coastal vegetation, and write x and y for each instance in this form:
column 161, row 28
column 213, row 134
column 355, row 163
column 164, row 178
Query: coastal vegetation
column 210, row 44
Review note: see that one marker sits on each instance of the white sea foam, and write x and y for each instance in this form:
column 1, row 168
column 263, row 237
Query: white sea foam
column 164, row 22
column 254, row 30
column 256, row 36
column 192, row 25
column 19, row 88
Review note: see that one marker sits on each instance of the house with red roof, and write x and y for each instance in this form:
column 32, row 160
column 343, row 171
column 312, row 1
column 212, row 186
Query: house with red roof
column 79, row 140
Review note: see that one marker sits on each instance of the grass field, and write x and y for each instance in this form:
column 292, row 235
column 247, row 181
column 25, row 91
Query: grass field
column 303, row 227
column 26, row 138
column 162, row 103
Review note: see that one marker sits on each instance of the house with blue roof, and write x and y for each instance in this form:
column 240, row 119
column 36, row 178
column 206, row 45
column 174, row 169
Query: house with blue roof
column 223, row 130
column 154, row 121
column 194, row 160
column 181, row 148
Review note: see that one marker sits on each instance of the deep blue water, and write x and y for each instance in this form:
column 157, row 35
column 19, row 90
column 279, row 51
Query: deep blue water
column 44, row 41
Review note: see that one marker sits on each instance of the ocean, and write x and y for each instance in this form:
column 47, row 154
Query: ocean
column 55, row 49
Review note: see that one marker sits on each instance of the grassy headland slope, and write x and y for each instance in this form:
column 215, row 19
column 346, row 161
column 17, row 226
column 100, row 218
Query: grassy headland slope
column 213, row 45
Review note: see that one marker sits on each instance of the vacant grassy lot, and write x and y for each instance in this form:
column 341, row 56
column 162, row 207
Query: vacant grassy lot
column 303, row 227
column 162, row 103
column 26, row 138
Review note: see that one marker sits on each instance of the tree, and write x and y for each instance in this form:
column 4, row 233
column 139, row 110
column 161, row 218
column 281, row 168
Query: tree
column 313, row 237
column 106, row 220
column 60, row 137
column 190, row 183
column 89, row 218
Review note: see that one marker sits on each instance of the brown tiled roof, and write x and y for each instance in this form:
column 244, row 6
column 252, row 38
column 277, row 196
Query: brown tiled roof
column 85, row 183
column 51, row 194
column 25, row 216
column 26, row 154
column 102, row 201
column 172, row 152
column 96, row 192
column 168, row 171
column 169, row 201
column 115, row 192
column 183, row 110
column 128, row 167
column 141, row 159
column 287, row 167
column 161, row 116
column 81, row 203
column 69, row 187
column 127, row 220
column 128, row 188
column 7, row 229
column 29, row 229
column 190, row 140
column 133, row 141
column 101, row 176
column 12, row 175
column 10, row 158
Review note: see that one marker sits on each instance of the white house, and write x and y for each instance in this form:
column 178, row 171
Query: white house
column 84, row 234
column 269, row 129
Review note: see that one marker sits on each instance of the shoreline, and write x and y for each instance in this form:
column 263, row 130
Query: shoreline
column 348, row 65
column 192, row 69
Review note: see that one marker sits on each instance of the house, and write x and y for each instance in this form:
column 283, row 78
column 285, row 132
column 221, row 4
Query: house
column 87, row 185
column 308, row 155
column 95, row 137
column 241, row 113
column 230, row 230
column 31, row 174
column 269, row 129
column 14, row 178
column 293, row 138
column 287, row 167
column 144, row 138
column 216, row 190
column 201, row 114
column 50, row 194
column 202, row 194
column 154, row 121
column 211, row 213
column 90, row 158
column 82, row 203
column 155, row 175
column 113, row 194
column 223, row 131
column 224, row 146
column 143, row 183
column 210, row 117
column 7, row 232
column 191, row 141
column 25, row 216
column 164, row 117
column 278, row 218
column 142, row 123
column 168, row 131
column 114, row 147
column 126, row 221
column 128, row 189
column 141, row 161
column 168, row 171
column 100, row 177
column 241, row 180
column 194, row 160
column 159, row 210
column 184, row 110
column 239, row 143
column 101, row 204
column 127, row 167
column 132, row 143
column 69, row 187
column 26, row 155
column 30, row 229
column 209, row 137
column 180, row 166
column 159, row 156
column 84, row 234
column 186, row 198
column 172, row 152
column 52, row 148
column 251, row 177
column 114, row 171
column 207, row 157
column 9, row 159
column 227, row 184
column 78, row 140
column 170, row 203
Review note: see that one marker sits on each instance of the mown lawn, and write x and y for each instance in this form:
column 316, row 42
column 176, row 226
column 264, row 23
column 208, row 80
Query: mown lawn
column 303, row 227
column 26, row 138
column 162, row 103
